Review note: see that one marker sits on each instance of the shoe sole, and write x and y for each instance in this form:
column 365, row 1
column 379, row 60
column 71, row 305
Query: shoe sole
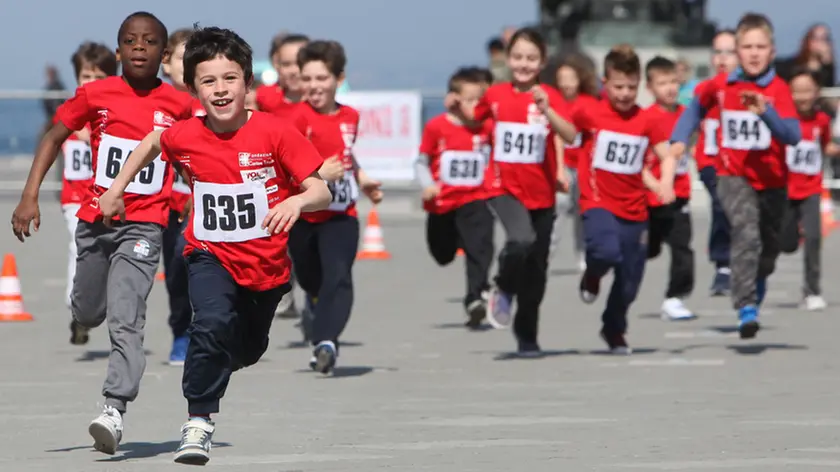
column 666, row 317
column 192, row 457
column 488, row 316
column 749, row 329
column 79, row 336
column 324, row 361
column 103, row 440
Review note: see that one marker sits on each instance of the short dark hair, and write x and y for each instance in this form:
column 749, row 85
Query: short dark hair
column 483, row 74
column 533, row 36
column 622, row 58
column 178, row 37
column 284, row 39
column 659, row 64
column 142, row 14
column 464, row 75
column 206, row 44
column 806, row 71
column 331, row 53
column 495, row 45
column 96, row 55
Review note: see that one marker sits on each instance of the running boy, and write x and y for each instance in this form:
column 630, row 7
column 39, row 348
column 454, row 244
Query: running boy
column 758, row 119
column 453, row 169
column 805, row 183
column 323, row 244
column 122, row 258
column 245, row 168
column 92, row 61
column 616, row 135
column 670, row 224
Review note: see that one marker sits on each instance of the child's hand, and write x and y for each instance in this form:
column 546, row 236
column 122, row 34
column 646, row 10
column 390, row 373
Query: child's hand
column 283, row 215
column 371, row 188
column 430, row 193
column 666, row 194
column 563, row 182
column 111, row 204
column 451, row 102
column 332, row 169
column 754, row 101
column 540, row 98
column 83, row 135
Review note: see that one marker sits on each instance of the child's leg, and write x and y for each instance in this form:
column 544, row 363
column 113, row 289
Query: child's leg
column 257, row 312
column 681, row 282
column 535, row 277
column 603, row 250
column 72, row 221
column 306, row 261
column 628, row 278
column 474, row 223
column 175, row 269
column 790, row 234
column 660, row 221
column 442, row 237
column 740, row 202
column 812, row 224
column 772, row 206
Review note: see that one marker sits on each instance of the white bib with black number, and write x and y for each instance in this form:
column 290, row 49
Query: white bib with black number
column 229, row 213
column 619, row 153
column 744, row 131
column 77, row 162
column 462, row 168
column 710, row 141
column 345, row 191
column 805, row 158
column 180, row 185
column 519, row 143
column 113, row 153
column 682, row 165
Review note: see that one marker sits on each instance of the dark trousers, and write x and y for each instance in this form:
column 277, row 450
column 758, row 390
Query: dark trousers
column 229, row 331
column 177, row 280
column 471, row 228
column 719, row 231
column 756, row 217
column 523, row 262
column 323, row 255
column 805, row 215
column 671, row 225
column 621, row 245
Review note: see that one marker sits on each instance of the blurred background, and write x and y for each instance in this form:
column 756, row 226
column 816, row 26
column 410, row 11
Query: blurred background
column 402, row 47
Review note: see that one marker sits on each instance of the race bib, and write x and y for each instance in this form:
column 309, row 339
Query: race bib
column 462, row 168
column 804, row 158
column 710, row 143
column 77, row 162
column 682, row 166
column 180, row 185
column 744, row 131
column 619, row 153
column 345, row 192
column 229, row 213
column 519, row 143
column 113, row 153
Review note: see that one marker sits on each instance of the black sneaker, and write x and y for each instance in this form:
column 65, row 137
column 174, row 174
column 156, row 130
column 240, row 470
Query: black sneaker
column 721, row 283
column 476, row 312
column 79, row 335
column 528, row 349
column 589, row 288
column 617, row 344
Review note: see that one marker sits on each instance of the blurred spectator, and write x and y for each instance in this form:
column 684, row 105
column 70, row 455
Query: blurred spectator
column 688, row 83
column 498, row 60
column 507, row 34
column 815, row 53
column 53, row 85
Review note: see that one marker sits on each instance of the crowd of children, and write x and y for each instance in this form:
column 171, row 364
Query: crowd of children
column 237, row 199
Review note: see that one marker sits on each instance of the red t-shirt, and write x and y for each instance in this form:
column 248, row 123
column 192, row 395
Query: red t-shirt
column 708, row 139
column 119, row 118
column 180, row 187
column 571, row 151
column 804, row 161
column 236, row 178
column 610, row 167
column 682, row 180
column 459, row 163
column 333, row 135
column 747, row 148
column 78, row 171
column 272, row 99
column 523, row 142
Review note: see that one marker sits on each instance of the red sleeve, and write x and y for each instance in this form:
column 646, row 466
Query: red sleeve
column 357, row 118
column 297, row 156
column 299, row 120
column 166, row 142
column 658, row 129
column 558, row 103
column 579, row 117
column 825, row 130
column 482, row 110
column 75, row 113
column 706, row 92
column 784, row 100
column 428, row 142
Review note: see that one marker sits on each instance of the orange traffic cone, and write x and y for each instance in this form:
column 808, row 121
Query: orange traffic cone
column 160, row 276
column 373, row 244
column 827, row 213
column 459, row 252
column 11, row 303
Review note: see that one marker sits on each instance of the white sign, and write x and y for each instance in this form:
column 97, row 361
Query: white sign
column 389, row 133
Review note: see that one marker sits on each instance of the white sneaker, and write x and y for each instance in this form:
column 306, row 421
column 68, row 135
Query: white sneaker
column 815, row 303
column 107, row 430
column 196, row 441
column 673, row 309
column 582, row 263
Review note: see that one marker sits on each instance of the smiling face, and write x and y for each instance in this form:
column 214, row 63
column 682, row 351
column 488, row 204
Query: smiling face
column 319, row 85
column 141, row 48
column 525, row 61
column 221, row 88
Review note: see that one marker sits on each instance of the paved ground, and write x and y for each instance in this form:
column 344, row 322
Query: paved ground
column 416, row 392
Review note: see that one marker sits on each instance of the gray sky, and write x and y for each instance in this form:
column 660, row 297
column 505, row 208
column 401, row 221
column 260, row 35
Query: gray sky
column 390, row 43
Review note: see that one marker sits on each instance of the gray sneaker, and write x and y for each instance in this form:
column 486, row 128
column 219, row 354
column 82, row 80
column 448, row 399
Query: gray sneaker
column 196, row 440
column 107, row 430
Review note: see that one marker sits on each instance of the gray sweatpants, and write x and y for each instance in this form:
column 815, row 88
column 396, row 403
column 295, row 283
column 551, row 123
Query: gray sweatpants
column 115, row 271
column 756, row 219
column 807, row 213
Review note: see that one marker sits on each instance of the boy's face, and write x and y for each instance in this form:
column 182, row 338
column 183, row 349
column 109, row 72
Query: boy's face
column 470, row 94
column 664, row 86
column 285, row 63
column 755, row 51
column 622, row 89
column 319, row 84
column 90, row 73
column 805, row 93
column 724, row 57
column 174, row 66
column 221, row 89
column 141, row 48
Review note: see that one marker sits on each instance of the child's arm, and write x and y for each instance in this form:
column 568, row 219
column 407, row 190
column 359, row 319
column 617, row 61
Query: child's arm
column 560, row 156
column 111, row 202
column 650, row 181
column 563, row 128
column 686, row 126
column 316, row 196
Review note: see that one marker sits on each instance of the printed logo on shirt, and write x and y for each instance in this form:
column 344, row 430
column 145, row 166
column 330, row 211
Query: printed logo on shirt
column 258, row 175
column 142, row 248
column 103, row 119
column 162, row 119
column 247, row 159
column 535, row 116
column 271, row 189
